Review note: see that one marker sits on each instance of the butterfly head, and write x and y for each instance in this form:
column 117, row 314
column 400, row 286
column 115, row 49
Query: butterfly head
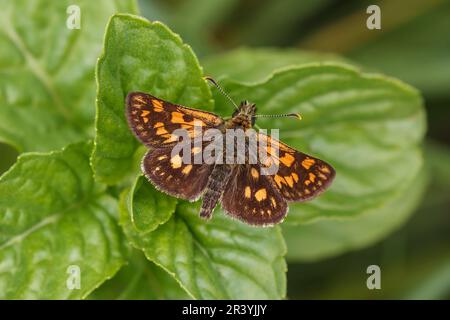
column 244, row 115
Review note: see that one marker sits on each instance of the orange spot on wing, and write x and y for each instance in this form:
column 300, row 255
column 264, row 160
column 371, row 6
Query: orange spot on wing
column 139, row 99
column 170, row 138
column 307, row 163
column 144, row 113
column 187, row 169
column 312, row 176
column 324, row 169
column 287, row 159
column 289, row 181
column 176, row 162
column 279, row 180
column 261, row 194
column 160, row 131
column 322, row 176
column 204, row 116
column 247, row 192
column 254, row 173
column 274, row 202
column 157, row 104
column 177, row 117
column 271, row 160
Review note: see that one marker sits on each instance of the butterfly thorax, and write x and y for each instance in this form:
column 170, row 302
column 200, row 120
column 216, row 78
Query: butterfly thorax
column 243, row 117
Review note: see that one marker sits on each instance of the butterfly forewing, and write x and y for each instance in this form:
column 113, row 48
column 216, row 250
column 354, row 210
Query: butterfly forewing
column 299, row 177
column 154, row 121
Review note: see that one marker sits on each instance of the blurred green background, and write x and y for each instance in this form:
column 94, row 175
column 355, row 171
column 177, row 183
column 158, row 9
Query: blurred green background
column 414, row 46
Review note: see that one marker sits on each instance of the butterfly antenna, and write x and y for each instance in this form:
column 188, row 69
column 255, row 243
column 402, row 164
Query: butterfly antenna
column 291, row 115
column 221, row 90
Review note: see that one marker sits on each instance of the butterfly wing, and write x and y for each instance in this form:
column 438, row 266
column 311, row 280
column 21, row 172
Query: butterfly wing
column 299, row 177
column 153, row 121
column 170, row 175
column 252, row 198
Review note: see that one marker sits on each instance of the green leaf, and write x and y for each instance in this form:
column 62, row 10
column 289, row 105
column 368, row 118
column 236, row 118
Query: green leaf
column 414, row 259
column 140, row 279
column 204, row 17
column 396, row 53
column 330, row 237
column 220, row 259
column 9, row 156
column 276, row 23
column 150, row 208
column 256, row 65
column 53, row 216
column 47, row 86
column 367, row 126
column 139, row 56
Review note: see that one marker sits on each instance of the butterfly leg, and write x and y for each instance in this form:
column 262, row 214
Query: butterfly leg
column 214, row 189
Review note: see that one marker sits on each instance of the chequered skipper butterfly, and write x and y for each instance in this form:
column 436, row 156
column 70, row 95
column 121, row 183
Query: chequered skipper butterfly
column 243, row 192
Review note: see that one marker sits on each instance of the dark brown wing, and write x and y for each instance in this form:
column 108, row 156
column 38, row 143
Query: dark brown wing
column 300, row 177
column 153, row 120
column 251, row 197
column 170, row 175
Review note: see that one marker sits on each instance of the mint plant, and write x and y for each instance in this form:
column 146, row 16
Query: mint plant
column 84, row 202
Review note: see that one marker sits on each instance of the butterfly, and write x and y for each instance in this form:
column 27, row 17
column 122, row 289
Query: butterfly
column 241, row 188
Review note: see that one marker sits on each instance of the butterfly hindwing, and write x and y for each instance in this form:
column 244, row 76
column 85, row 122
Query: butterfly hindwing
column 299, row 177
column 251, row 197
column 154, row 121
column 169, row 174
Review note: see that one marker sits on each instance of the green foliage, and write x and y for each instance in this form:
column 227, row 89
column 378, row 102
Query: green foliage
column 414, row 259
column 61, row 208
column 149, row 207
column 53, row 215
column 426, row 68
column 47, row 86
column 140, row 280
column 222, row 259
column 330, row 237
column 255, row 65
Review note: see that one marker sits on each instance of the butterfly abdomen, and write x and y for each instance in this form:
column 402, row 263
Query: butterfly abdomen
column 214, row 189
